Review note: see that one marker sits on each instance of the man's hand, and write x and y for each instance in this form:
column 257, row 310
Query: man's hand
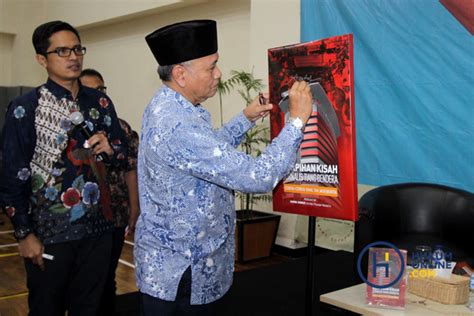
column 301, row 101
column 132, row 221
column 32, row 248
column 100, row 144
column 255, row 110
column 132, row 184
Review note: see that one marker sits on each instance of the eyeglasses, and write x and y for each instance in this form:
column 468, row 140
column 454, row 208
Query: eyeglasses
column 66, row 51
column 102, row 89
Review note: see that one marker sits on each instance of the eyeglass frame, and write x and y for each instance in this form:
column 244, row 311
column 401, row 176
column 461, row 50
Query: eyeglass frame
column 81, row 49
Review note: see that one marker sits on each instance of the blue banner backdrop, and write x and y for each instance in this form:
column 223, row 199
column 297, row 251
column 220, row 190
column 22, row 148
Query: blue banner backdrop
column 414, row 83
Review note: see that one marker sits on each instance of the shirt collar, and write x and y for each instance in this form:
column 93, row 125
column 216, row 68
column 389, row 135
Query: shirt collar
column 197, row 109
column 59, row 91
column 181, row 99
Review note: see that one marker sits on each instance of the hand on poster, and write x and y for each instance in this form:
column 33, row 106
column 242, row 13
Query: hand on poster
column 301, row 101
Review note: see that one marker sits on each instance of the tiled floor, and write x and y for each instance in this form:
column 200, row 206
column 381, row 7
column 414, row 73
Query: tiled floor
column 13, row 292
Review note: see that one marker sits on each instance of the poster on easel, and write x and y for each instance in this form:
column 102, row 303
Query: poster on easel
column 323, row 182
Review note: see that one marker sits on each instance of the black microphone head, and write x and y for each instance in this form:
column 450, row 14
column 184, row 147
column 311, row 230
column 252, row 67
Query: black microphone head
column 76, row 118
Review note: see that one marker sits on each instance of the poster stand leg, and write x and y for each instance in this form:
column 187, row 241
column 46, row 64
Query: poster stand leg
column 310, row 266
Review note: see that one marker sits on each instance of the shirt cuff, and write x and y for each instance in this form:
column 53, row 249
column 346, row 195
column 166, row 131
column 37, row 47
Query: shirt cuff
column 18, row 218
column 294, row 133
column 246, row 123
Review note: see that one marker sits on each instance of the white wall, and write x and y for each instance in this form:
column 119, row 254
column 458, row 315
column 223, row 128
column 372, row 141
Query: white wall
column 18, row 18
column 6, row 45
column 7, row 10
column 117, row 48
column 274, row 23
column 120, row 53
column 88, row 13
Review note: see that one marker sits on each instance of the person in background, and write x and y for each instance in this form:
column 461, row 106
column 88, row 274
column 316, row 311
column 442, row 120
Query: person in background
column 188, row 172
column 124, row 191
column 54, row 185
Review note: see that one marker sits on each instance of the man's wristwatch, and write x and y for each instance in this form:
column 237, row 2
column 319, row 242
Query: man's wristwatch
column 296, row 122
column 21, row 232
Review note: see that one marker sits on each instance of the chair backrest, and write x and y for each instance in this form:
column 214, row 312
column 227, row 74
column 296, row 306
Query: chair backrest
column 411, row 214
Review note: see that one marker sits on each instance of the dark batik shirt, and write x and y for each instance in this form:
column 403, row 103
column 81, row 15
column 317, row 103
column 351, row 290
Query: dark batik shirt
column 67, row 198
column 116, row 176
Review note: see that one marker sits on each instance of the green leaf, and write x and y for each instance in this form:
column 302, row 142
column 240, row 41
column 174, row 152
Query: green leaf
column 58, row 209
column 37, row 182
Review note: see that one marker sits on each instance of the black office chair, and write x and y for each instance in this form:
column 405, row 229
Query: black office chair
column 411, row 214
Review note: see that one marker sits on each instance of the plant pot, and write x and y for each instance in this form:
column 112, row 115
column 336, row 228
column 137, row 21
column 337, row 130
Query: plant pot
column 255, row 234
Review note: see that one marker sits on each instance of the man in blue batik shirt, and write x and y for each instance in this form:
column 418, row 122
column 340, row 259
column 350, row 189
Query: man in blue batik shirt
column 53, row 188
column 187, row 171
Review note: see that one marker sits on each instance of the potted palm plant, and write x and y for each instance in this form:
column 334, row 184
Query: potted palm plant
column 255, row 231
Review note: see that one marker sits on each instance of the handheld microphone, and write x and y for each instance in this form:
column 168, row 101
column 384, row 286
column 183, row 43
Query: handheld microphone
column 78, row 120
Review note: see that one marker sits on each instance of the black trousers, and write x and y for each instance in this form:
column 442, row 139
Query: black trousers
column 108, row 304
column 153, row 306
column 73, row 281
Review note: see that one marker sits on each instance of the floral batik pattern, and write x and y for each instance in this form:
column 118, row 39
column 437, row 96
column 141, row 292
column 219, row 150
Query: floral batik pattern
column 116, row 177
column 187, row 174
column 52, row 184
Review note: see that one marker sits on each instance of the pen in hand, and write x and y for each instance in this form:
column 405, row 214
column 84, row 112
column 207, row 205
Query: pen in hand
column 47, row 256
column 262, row 100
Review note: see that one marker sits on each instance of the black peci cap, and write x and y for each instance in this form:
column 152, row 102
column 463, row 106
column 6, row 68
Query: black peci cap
column 180, row 42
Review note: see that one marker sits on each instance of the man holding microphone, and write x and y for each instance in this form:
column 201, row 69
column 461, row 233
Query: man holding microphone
column 53, row 187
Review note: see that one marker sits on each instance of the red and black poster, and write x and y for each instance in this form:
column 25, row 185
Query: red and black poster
column 323, row 182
